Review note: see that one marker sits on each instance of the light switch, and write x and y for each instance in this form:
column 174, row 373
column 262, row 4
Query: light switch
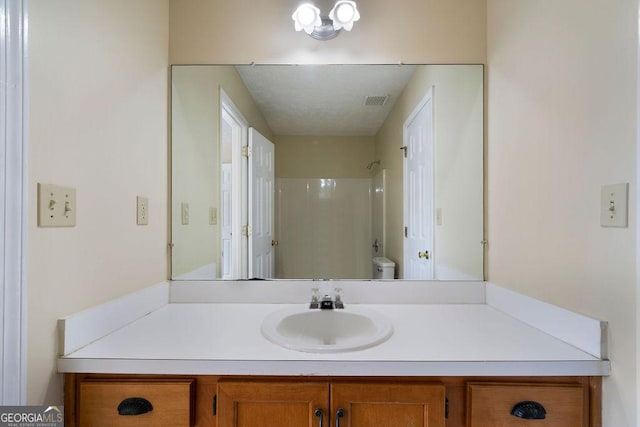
column 56, row 206
column 142, row 210
column 614, row 200
column 184, row 213
column 213, row 216
column 438, row 216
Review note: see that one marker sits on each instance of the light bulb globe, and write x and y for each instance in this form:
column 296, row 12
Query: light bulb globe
column 306, row 17
column 344, row 14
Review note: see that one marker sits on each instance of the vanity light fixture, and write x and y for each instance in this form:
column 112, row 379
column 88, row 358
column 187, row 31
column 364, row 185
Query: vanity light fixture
column 307, row 17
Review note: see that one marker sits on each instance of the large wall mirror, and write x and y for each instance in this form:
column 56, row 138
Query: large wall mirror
column 327, row 172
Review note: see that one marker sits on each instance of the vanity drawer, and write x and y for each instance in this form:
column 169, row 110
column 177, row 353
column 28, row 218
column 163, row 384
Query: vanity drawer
column 490, row 404
column 172, row 403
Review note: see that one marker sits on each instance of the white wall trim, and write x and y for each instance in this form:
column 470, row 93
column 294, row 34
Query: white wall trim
column 78, row 330
column 13, row 199
column 585, row 333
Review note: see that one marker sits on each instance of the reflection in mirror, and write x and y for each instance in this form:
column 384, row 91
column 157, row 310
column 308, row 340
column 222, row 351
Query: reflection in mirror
column 369, row 162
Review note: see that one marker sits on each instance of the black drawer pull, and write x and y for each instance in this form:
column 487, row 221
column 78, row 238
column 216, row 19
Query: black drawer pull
column 134, row 406
column 529, row 410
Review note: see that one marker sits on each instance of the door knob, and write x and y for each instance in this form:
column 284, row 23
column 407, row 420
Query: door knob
column 424, row 255
column 274, row 243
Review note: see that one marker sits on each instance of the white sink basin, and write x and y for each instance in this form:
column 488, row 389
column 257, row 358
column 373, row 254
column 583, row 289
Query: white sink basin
column 326, row 331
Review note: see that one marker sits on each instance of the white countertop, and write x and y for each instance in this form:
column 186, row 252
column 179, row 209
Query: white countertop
column 428, row 340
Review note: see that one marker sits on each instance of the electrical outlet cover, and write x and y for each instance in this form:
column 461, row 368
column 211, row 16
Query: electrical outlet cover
column 56, row 206
column 142, row 210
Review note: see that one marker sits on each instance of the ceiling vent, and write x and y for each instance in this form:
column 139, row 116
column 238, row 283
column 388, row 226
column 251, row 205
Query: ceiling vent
column 376, row 100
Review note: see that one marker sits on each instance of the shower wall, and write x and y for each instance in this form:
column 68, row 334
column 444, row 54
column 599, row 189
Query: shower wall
column 323, row 206
column 323, row 226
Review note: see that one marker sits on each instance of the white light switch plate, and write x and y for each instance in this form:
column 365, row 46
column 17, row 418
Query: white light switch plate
column 614, row 201
column 213, row 216
column 56, row 206
column 142, row 210
column 184, row 213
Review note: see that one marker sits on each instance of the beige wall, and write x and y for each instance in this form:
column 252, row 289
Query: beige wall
column 323, row 156
column 195, row 158
column 413, row 31
column 97, row 122
column 458, row 158
column 562, row 122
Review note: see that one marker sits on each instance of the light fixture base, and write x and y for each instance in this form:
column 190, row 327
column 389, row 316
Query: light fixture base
column 325, row 31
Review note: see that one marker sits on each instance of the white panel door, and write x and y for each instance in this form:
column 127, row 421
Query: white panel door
column 418, row 193
column 261, row 206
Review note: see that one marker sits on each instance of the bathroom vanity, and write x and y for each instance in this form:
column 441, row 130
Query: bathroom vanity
column 94, row 399
column 194, row 355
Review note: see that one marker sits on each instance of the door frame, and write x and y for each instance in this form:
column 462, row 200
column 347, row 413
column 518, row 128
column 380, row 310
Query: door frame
column 429, row 96
column 14, row 196
column 239, row 179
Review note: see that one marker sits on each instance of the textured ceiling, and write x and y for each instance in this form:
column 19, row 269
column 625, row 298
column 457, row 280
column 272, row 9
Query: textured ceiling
column 324, row 99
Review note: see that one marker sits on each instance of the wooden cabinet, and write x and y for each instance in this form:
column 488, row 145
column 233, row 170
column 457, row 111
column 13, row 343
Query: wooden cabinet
column 388, row 404
column 135, row 403
column 266, row 404
column 354, row 404
column 233, row 401
column 507, row 405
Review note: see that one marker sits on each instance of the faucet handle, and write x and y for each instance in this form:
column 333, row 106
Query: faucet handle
column 338, row 298
column 315, row 302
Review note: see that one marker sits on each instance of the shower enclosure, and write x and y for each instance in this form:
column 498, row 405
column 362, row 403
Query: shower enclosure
column 327, row 227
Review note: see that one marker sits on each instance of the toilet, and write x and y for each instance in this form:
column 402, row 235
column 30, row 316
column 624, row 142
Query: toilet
column 383, row 268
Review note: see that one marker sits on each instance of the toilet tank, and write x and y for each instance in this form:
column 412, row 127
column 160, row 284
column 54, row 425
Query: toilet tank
column 383, row 268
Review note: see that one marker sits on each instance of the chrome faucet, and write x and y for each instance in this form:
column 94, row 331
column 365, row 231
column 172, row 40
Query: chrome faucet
column 326, row 303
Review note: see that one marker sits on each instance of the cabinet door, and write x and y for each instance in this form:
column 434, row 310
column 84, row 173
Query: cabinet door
column 268, row 404
column 388, row 405
column 491, row 405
